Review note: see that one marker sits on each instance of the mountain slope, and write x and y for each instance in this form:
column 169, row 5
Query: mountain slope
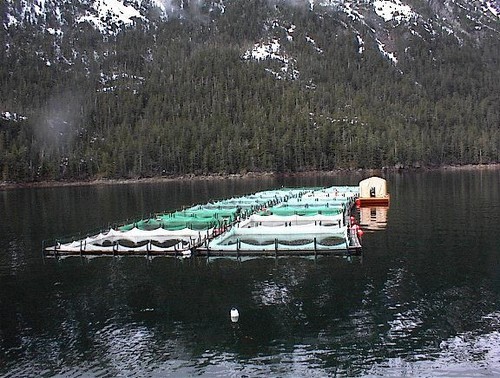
column 139, row 88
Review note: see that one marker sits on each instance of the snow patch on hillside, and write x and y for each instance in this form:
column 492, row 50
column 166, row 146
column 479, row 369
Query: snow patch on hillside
column 30, row 11
column 313, row 43
column 262, row 51
column 393, row 10
column 390, row 55
column 492, row 6
column 106, row 13
column 122, row 81
column 361, row 44
column 9, row 116
column 272, row 51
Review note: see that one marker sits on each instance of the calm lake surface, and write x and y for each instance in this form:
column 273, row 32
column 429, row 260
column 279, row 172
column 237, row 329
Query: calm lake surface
column 423, row 300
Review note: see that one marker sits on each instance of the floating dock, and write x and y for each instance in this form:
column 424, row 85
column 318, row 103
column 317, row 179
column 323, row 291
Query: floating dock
column 373, row 192
column 292, row 221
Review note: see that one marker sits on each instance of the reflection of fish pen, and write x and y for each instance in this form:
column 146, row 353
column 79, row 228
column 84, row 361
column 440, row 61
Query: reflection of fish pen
column 286, row 221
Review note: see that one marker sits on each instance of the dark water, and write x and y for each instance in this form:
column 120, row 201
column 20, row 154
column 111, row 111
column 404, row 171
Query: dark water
column 423, row 300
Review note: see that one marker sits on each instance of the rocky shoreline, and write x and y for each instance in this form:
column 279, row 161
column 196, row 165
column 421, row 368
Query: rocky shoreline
column 362, row 172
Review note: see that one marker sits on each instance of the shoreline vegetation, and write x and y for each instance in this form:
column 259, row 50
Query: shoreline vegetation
column 158, row 179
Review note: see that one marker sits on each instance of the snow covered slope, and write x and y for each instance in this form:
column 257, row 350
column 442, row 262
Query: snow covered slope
column 381, row 25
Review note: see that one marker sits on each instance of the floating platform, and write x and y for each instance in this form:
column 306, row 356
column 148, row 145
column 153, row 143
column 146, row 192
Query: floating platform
column 373, row 192
column 299, row 221
column 373, row 201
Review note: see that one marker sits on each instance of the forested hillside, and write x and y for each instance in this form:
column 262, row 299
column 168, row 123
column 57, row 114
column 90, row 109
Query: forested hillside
column 189, row 94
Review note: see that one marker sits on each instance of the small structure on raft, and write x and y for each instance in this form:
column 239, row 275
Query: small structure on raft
column 289, row 221
column 373, row 192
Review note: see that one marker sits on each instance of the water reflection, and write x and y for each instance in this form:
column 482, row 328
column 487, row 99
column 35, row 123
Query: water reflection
column 463, row 355
column 373, row 218
column 422, row 301
column 270, row 293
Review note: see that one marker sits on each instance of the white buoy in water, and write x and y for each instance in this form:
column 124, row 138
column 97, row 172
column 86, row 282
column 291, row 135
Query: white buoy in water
column 235, row 315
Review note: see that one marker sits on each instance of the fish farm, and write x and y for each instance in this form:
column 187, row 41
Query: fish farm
column 288, row 221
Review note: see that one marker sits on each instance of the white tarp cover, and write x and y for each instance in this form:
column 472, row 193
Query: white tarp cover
column 278, row 238
column 288, row 233
column 376, row 184
column 294, row 219
column 94, row 243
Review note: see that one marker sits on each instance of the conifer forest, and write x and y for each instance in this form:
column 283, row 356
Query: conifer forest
column 178, row 97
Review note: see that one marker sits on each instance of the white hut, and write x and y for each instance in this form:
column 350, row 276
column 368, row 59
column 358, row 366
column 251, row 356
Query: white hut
column 373, row 191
